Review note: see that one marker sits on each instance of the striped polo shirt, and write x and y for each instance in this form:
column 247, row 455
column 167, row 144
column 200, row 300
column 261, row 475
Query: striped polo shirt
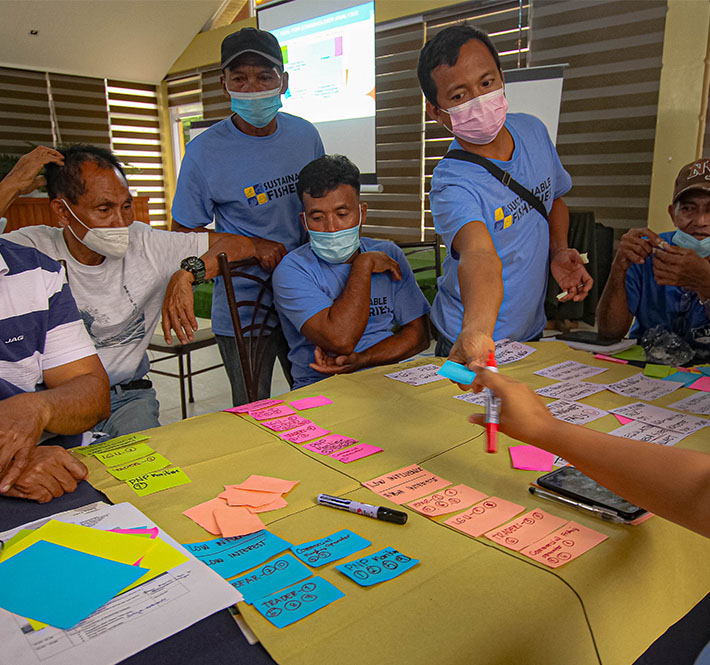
column 40, row 326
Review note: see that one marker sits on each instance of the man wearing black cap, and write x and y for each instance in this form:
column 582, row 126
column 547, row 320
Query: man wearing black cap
column 664, row 279
column 242, row 172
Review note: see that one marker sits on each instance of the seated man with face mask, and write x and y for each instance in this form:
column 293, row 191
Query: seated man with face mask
column 664, row 279
column 341, row 297
column 118, row 272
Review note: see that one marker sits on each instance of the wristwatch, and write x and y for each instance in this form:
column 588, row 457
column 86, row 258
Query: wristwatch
column 196, row 266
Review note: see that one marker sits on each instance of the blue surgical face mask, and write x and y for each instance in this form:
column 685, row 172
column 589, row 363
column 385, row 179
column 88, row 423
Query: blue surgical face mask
column 700, row 247
column 256, row 108
column 336, row 246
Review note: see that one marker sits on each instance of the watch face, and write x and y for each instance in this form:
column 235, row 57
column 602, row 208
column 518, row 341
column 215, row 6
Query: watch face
column 196, row 266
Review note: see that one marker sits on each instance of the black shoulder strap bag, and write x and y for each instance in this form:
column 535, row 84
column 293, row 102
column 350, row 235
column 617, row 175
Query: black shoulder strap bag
column 498, row 173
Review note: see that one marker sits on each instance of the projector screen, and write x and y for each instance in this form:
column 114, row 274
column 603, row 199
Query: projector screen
column 330, row 60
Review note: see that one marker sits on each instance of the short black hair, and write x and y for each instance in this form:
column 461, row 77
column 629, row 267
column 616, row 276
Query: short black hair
column 325, row 174
column 67, row 179
column 443, row 49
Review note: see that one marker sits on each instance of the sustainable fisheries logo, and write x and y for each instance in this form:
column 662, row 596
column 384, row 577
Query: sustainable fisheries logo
column 263, row 192
column 508, row 214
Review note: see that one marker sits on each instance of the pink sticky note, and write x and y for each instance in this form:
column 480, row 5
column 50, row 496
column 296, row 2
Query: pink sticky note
column 447, row 501
column 274, row 505
column 525, row 529
column 253, row 406
column 202, row 514
column 236, row 521
column 531, row 458
column 701, row 384
column 240, row 497
column 153, row 533
column 272, row 412
column 289, row 422
column 406, row 484
column 266, row 484
column 329, row 444
column 563, row 545
column 355, row 453
column 305, row 433
column 310, row 402
column 484, row 516
column 623, row 419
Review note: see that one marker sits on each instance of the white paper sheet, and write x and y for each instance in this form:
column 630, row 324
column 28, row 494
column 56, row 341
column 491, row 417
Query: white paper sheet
column 128, row 623
column 697, row 403
column 665, row 418
column 574, row 412
column 471, row 398
column 639, row 386
column 418, row 376
column 645, row 432
column 570, row 370
column 508, row 351
column 571, row 390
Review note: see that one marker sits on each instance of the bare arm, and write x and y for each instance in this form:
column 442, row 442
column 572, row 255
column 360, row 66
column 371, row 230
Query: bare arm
column 77, row 397
column 24, row 176
column 480, row 276
column 613, row 315
column 337, row 329
column 671, row 482
column 406, row 342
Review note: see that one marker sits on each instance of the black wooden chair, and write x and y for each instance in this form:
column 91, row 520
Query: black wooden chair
column 250, row 338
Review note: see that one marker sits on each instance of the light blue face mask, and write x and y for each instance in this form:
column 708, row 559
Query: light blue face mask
column 700, row 247
column 336, row 246
column 256, row 108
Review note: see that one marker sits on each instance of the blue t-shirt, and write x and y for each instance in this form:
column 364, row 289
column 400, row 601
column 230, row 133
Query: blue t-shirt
column 462, row 192
column 655, row 305
column 305, row 285
column 248, row 184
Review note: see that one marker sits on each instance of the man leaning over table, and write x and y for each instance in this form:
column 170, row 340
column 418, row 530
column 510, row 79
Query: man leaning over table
column 664, row 279
column 345, row 302
column 121, row 273
column 241, row 172
column 51, row 380
column 499, row 245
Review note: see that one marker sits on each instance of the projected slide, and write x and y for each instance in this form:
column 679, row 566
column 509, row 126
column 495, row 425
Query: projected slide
column 331, row 64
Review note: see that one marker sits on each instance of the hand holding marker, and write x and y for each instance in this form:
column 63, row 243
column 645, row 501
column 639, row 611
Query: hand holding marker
column 492, row 409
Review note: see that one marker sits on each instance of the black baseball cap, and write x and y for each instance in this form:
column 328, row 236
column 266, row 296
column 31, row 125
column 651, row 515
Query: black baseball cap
column 251, row 40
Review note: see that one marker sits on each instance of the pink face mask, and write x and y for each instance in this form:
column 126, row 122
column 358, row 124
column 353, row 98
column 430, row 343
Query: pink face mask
column 479, row 119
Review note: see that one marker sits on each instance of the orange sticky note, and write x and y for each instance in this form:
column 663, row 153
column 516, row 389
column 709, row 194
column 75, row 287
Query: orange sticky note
column 525, row 529
column 202, row 514
column 484, row 516
column 237, row 521
column 406, row 484
column 240, row 497
column 266, row 484
column 274, row 505
column 563, row 545
column 447, row 501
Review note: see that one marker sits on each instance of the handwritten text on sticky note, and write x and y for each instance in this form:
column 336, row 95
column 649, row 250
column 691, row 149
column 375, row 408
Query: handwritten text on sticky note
column 330, row 444
column 484, row 516
column 157, row 481
column 563, row 545
column 406, row 484
column 448, row 500
column 379, row 567
column 331, row 548
column 525, row 529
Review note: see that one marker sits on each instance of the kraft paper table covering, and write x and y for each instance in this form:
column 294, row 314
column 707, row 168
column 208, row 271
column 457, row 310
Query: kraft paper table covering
column 638, row 579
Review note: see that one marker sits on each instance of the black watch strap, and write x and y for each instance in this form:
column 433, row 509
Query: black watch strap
column 196, row 266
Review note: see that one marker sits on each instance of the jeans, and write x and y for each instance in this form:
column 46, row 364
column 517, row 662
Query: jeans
column 275, row 347
column 131, row 411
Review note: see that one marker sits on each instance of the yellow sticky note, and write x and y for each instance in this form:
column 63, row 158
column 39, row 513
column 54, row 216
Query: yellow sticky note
column 158, row 559
column 111, row 444
column 157, row 481
column 36, row 625
column 124, row 455
column 22, row 533
column 106, row 544
column 153, row 462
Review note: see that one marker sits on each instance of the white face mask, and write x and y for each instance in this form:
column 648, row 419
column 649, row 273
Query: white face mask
column 110, row 241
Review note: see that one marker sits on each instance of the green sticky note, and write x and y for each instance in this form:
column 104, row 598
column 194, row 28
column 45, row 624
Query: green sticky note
column 658, row 371
column 634, row 352
column 157, row 481
column 136, row 467
column 22, row 533
column 111, row 444
column 124, row 455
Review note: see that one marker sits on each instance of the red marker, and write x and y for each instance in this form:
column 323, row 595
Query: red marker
column 492, row 407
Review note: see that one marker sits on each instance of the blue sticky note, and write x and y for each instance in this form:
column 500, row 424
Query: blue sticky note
column 298, row 601
column 270, row 577
column 231, row 556
column 705, row 369
column 331, row 548
column 379, row 567
column 60, row 586
column 686, row 378
column 456, row 372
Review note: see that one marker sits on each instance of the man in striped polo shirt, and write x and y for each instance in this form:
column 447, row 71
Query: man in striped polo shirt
column 51, row 379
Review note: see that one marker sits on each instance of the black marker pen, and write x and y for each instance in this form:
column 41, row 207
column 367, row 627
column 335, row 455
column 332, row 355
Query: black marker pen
column 378, row 512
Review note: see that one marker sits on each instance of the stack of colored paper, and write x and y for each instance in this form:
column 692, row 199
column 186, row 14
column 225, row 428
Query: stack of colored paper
column 234, row 512
column 61, row 573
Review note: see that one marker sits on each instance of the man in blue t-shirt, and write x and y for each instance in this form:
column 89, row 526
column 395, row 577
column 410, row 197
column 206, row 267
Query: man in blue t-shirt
column 664, row 279
column 499, row 245
column 341, row 297
column 242, row 172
